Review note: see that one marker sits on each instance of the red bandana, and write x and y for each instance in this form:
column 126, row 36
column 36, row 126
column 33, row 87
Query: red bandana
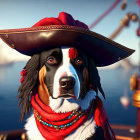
column 56, row 126
column 48, row 121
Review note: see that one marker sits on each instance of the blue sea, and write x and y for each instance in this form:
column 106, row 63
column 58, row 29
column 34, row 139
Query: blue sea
column 115, row 83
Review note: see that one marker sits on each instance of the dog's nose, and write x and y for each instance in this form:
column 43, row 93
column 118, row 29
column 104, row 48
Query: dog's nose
column 67, row 83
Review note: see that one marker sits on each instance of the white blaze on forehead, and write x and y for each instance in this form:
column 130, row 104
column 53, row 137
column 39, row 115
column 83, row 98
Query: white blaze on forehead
column 65, row 55
column 65, row 70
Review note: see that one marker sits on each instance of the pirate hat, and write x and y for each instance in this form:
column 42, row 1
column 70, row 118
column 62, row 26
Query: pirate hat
column 49, row 33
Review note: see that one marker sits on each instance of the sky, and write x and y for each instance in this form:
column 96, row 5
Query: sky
column 25, row 13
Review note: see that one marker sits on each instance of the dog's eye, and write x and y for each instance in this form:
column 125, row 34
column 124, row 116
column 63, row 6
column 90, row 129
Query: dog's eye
column 79, row 61
column 51, row 60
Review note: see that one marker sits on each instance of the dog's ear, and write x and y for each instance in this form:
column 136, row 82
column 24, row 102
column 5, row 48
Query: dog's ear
column 29, row 84
column 94, row 79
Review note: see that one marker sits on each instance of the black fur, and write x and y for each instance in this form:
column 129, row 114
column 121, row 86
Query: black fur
column 28, row 85
column 94, row 76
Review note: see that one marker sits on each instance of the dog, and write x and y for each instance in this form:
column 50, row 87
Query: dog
column 61, row 82
column 67, row 79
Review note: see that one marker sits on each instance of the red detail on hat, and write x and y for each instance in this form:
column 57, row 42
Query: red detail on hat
column 73, row 53
column 63, row 19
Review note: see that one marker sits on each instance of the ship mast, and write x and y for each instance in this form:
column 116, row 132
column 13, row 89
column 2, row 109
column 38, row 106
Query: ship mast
column 135, row 83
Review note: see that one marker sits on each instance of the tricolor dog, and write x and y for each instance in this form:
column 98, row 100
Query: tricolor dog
column 60, row 83
column 66, row 74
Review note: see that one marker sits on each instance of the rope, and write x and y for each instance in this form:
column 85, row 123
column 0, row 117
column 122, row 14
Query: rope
column 104, row 14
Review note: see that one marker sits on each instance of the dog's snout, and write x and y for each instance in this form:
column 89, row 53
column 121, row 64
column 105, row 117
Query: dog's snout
column 67, row 83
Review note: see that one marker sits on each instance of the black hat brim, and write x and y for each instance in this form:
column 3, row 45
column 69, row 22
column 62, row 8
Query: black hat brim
column 33, row 40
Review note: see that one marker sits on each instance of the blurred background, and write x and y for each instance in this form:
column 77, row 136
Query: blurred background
column 110, row 18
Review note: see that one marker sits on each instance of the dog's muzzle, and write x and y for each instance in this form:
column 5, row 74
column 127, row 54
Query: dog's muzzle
column 67, row 84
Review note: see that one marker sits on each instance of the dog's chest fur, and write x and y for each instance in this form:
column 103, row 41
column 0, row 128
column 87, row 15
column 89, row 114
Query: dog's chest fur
column 82, row 133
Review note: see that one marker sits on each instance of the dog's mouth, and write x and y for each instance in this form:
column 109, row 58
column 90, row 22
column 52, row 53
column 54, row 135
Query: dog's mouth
column 67, row 93
column 67, row 96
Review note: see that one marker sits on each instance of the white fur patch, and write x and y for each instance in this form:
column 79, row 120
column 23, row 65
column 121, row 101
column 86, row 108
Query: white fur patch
column 65, row 70
column 83, row 132
column 32, row 130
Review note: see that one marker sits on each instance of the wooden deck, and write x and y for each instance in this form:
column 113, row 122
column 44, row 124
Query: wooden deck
column 122, row 132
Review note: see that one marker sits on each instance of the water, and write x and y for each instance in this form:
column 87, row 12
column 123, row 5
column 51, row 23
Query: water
column 114, row 83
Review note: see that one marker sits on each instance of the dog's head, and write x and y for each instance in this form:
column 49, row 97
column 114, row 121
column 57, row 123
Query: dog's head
column 66, row 72
column 62, row 74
